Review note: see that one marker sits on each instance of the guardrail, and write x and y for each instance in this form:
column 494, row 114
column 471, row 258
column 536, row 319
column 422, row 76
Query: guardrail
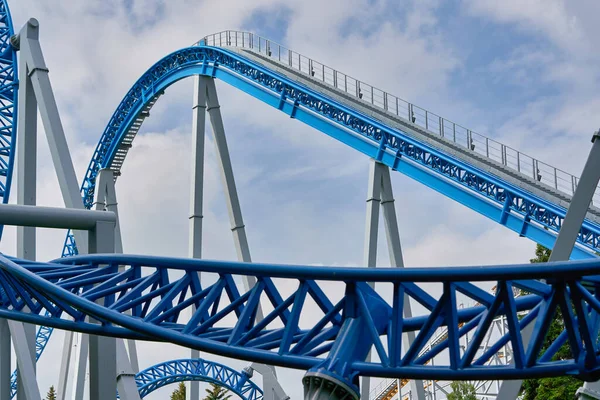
column 484, row 146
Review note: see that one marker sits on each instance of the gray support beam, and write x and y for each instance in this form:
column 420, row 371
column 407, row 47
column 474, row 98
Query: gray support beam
column 561, row 251
column 53, row 217
column 125, row 375
column 65, row 362
column 233, row 203
column 196, row 192
column 5, row 356
column 21, row 337
column 102, row 350
column 380, row 193
column 273, row 390
column 26, row 236
column 31, row 53
column 80, row 367
column 396, row 260
column 105, row 198
column 370, row 248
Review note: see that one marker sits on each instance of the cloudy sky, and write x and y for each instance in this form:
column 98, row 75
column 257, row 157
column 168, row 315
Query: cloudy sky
column 526, row 73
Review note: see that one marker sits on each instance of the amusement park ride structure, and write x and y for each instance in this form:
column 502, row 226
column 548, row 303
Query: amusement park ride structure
column 112, row 299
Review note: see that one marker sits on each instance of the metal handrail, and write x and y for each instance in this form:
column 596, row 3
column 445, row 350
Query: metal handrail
column 482, row 145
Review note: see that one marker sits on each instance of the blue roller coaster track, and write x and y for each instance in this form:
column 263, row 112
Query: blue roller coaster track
column 518, row 209
column 135, row 297
column 505, row 203
column 169, row 372
column 8, row 100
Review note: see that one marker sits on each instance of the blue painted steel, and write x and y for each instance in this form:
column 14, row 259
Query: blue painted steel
column 163, row 374
column 507, row 204
column 71, row 288
column 8, row 101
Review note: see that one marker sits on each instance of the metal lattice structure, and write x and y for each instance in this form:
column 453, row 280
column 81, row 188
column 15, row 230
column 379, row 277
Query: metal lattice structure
column 8, row 101
column 135, row 297
column 169, row 372
column 70, row 289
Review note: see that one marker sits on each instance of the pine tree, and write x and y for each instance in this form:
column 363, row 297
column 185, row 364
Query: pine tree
column 216, row 392
column 179, row 393
column 51, row 394
column 462, row 391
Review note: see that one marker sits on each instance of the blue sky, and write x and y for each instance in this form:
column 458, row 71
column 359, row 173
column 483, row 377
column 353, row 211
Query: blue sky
column 523, row 72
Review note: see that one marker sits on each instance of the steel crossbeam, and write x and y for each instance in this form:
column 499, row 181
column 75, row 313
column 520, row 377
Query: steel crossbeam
column 71, row 287
column 503, row 202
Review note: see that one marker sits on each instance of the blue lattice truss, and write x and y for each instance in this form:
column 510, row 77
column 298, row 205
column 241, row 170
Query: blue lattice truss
column 347, row 317
column 169, row 372
column 8, row 100
column 480, row 190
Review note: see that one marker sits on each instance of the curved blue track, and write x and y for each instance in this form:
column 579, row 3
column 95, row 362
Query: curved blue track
column 8, row 100
column 505, row 203
column 169, row 372
column 344, row 323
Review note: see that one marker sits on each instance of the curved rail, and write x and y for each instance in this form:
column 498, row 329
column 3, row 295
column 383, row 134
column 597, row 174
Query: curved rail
column 70, row 288
column 163, row 374
column 8, row 100
column 505, row 203
column 479, row 144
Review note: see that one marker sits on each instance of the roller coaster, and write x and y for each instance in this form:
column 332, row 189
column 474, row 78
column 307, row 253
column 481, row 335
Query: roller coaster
column 363, row 320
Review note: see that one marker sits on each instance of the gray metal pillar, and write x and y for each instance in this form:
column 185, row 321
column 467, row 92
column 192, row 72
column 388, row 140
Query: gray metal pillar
column 233, row 203
column 26, row 236
column 21, row 337
column 102, row 350
column 5, row 356
column 31, row 54
column 274, row 391
column 81, row 354
column 105, row 198
column 65, row 363
column 567, row 236
column 380, row 193
column 196, row 192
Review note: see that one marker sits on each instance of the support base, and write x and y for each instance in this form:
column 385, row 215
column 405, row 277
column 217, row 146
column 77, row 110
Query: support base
column 318, row 386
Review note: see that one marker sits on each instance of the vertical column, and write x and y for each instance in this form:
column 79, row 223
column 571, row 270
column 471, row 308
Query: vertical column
column 81, row 367
column 396, row 260
column 196, row 191
column 103, row 350
column 31, row 53
column 380, row 193
column 26, row 195
column 370, row 249
column 233, row 203
column 5, row 356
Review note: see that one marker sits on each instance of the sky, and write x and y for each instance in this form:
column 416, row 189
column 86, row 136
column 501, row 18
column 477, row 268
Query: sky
column 525, row 73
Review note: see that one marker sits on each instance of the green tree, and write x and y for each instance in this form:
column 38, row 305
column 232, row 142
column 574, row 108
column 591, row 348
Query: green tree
column 179, row 393
column 216, row 392
column 563, row 387
column 462, row 391
column 51, row 394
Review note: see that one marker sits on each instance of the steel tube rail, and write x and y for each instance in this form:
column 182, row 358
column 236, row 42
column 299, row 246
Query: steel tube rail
column 53, row 217
column 542, row 172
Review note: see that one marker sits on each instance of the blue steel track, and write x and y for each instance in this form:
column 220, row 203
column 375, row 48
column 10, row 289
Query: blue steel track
column 344, row 325
column 169, row 372
column 506, row 204
column 8, row 100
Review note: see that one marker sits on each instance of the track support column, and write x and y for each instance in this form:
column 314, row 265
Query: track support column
column 24, row 345
column 565, row 242
column 197, row 192
column 103, row 350
column 233, row 203
column 5, row 356
column 380, row 193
